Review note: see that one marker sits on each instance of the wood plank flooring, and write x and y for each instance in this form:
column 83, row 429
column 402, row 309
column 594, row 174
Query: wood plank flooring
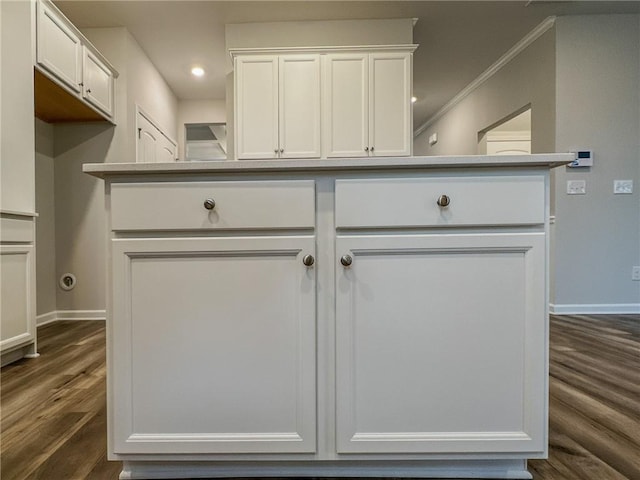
column 53, row 422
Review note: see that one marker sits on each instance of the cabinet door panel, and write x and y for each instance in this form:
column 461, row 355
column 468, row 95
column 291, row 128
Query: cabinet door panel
column 98, row 82
column 390, row 112
column 17, row 269
column 440, row 344
column 256, row 106
column 240, row 312
column 58, row 49
column 347, row 105
column 299, row 112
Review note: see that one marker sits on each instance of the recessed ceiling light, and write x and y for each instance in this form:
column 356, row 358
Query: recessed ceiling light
column 414, row 99
column 197, row 71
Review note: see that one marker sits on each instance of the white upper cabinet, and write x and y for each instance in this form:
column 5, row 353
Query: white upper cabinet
column 59, row 48
column 323, row 102
column 256, row 116
column 368, row 104
column 347, row 105
column 390, row 122
column 277, row 106
column 98, row 82
column 70, row 72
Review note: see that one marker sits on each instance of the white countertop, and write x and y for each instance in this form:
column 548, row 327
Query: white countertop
column 377, row 163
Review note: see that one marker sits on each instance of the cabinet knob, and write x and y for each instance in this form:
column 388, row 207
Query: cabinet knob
column 209, row 204
column 276, row 151
column 443, row 201
column 88, row 90
column 366, row 149
column 308, row 260
column 371, row 149
column 346, row 260
column 282, row 150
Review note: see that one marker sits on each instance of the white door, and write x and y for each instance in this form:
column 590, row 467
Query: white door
column 256, row 109
column 148, row 137
column 346, row 105
column 58, row 48
column 153, row 145
column 240, row 312
column 98, row 82
column 440, row 344
column 299, row 106
column 390, row 104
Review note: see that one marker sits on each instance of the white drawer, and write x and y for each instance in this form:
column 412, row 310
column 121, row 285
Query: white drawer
column 412, row 202
column 16, row 229
column 238, row 205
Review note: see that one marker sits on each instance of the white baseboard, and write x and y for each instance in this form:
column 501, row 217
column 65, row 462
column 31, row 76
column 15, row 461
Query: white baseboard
column 56, row 315
column 595, row 309
column 46, row 318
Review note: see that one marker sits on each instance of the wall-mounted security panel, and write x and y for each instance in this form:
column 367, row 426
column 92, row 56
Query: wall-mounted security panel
column 584, row 158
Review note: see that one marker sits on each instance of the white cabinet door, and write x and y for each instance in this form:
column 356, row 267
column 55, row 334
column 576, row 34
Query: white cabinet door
column 17, row 285
column 368, row 105
column 390, row 104
column 213, row 345
column 299, row 106
column 346, row 105
column 256, row 106
column 59, row 49
column 440, row 343
column 97, row 82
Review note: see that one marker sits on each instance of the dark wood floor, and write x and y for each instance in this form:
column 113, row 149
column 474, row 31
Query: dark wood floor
column 53, row 423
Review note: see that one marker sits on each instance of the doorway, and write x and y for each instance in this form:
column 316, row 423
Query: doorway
column 510, row 136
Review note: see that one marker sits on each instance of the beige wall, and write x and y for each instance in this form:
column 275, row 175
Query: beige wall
column 46, row 281
column 527, row 79
column 597, row 235
column 79, row 199
column 198, row 111
column 320, row 33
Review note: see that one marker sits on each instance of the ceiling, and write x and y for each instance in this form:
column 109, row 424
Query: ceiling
column 458, row 39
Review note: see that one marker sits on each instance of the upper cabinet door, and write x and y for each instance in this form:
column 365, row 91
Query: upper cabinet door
column 59, row 49
column 299, row 106
column 347, row 105
column 390, row 99
column 256, row 106
column 98, row 82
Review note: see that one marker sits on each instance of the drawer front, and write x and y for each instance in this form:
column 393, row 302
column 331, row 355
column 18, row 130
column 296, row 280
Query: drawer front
column 16, row 230
column 238, row 205
column 413, row 202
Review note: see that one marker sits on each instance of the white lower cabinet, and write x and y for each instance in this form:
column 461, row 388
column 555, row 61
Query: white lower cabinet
column 214, row 345
column 17, row 288
column 315, row 322
column 439, row 345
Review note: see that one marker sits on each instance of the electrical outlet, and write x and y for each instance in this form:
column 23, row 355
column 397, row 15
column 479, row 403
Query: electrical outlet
column 622, row 186
column 576, row 187
column 635, row 273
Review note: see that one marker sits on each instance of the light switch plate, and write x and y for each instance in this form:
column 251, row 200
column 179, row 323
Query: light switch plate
column 576, row 187
column 623, row 187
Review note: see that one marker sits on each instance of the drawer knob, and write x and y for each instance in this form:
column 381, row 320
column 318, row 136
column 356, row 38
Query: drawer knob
column 209, row 204
column 443, row 201
column 308, row 260
column 346, row 260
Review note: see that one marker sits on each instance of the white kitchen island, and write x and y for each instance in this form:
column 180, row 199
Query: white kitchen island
column 344, row 317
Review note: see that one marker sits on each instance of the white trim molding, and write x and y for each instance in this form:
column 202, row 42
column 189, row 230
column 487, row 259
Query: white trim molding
column 56, row 315
column 513, row 52
column 595, row 309
column 46, row 318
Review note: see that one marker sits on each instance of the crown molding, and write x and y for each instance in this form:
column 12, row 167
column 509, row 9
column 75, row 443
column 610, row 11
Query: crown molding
column 527, row 40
